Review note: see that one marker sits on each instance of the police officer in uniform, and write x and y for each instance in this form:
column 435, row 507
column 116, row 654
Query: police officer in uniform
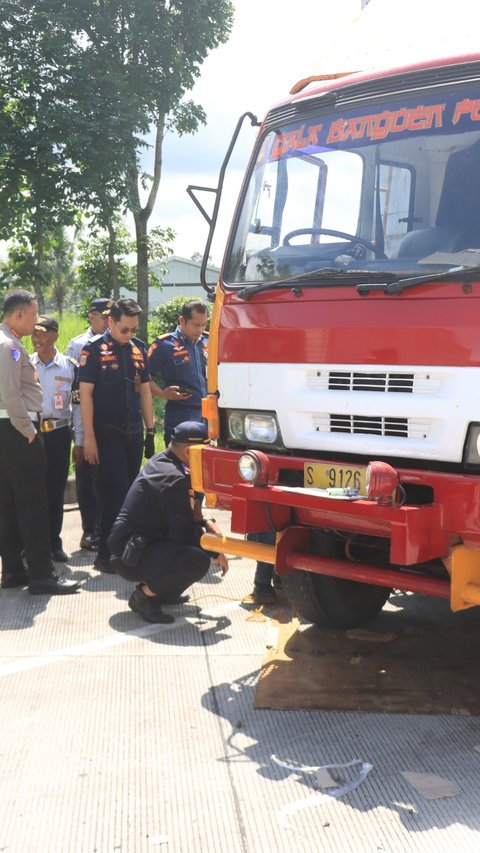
column 58, row 377
column 86, row 474
column 180, row 359
column 156, row 537
column 24, row 523
column 115, row 398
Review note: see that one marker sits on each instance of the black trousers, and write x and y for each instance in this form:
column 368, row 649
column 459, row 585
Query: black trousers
column 24, row 521
column 87, row 497
column 57, row 448
column 120, row 460
column 167, row 568
column 264, row 571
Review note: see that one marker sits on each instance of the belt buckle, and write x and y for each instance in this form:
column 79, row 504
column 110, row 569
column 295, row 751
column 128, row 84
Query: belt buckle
column 47, row 425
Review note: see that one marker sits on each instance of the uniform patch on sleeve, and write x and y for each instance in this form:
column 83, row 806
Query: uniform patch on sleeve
column 16, row 354
column 83, row 358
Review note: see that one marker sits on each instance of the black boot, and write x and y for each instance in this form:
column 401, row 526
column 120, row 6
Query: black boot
column 148, row 607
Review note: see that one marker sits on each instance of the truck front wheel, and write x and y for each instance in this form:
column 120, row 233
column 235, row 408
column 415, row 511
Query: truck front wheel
column 326, row 600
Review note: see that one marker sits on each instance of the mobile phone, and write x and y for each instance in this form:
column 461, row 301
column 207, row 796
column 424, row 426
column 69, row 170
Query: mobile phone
column 183, row 390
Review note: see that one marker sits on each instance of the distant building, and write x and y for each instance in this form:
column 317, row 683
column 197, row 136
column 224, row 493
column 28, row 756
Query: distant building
column 181, row 279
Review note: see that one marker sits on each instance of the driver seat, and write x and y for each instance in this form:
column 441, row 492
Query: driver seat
column 458, row 215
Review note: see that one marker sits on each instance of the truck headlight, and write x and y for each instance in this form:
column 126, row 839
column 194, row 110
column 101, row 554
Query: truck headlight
column 236, row 425
column 261, row 428
column 253, row 467
column 258, row 427
column 471, row 456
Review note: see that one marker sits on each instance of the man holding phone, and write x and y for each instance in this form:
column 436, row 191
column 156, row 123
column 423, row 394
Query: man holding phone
column 179, row 359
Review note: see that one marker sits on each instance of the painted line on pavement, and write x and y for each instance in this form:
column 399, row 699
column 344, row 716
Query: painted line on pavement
column 93, row 646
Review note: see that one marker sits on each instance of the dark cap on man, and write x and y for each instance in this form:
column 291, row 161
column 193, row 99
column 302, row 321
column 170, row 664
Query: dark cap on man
column 190, row 432
column 46, row 324
column 101, row 304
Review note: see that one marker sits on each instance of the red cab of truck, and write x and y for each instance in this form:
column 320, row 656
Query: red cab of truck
column 344, row 359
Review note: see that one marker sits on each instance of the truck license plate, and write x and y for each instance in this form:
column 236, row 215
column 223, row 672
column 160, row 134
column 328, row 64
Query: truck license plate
column 319, row 476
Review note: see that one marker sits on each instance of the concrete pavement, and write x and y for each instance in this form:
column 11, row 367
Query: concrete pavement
column 121, row 736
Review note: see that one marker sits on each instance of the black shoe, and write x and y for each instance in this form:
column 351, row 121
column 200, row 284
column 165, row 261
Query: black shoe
column 148, row 607
column 89, row 541
column 59, row 556
column 53, row 585
column 102, row 564
column 180, row 599
column 263, row 594
column 10, row 581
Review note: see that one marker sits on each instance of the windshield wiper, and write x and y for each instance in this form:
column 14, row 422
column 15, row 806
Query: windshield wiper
column 458, row 274
column 327, row 273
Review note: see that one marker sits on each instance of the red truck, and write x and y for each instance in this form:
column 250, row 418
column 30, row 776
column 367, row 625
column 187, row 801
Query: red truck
column 344, row 358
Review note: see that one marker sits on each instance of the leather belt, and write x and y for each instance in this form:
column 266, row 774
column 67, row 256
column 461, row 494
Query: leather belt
column 49, row 424
column 32, row 415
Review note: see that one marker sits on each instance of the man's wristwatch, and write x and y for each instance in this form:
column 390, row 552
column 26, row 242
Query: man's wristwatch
column 203, row 522
column 151, row 430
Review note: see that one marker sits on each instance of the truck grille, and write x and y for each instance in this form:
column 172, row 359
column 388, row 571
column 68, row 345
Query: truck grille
column 339, row 380
column 387, row 382
column 370, row 425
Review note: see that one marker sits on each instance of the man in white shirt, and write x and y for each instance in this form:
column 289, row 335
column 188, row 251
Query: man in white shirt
column 58, row 377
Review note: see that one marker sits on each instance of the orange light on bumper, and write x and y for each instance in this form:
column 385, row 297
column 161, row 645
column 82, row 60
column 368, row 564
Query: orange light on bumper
column 210, row 413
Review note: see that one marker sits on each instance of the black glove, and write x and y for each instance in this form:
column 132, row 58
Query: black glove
column 149, row 446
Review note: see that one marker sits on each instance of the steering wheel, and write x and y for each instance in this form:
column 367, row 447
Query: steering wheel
column 330, row 232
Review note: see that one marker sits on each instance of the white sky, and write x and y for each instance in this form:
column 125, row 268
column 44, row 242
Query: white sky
column 270, row 48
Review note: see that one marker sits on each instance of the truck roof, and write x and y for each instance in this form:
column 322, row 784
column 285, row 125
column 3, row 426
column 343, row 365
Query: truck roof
column 347, row 78
column 339, row 80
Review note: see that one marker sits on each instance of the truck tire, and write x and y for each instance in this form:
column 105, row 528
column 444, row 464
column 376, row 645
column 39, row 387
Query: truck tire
column 335, row 602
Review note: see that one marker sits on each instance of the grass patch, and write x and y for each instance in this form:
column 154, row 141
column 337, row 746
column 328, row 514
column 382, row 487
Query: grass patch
column 69, row 327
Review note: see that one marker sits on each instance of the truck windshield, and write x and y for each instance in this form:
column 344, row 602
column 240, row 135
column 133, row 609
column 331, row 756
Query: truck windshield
column 390, row 187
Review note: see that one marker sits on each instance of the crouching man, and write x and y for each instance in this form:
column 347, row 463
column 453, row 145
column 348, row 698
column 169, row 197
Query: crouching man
column 156, row 537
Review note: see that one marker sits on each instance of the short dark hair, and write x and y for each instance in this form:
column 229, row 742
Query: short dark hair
column 192, row 305
column 128, row 307
column 17, row 299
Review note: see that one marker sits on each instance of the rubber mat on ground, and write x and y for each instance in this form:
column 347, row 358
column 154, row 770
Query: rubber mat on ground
column 423, row 670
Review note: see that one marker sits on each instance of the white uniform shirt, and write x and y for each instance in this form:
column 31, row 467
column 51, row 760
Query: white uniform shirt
column 56, row 379
column 20, row 392
column 76, row 345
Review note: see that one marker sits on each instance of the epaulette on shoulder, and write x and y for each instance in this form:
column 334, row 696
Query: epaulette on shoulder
column 164, row 337
column 138, row 341
column 72, row 360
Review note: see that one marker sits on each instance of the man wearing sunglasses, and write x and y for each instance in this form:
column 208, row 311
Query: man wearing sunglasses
column 86, row 474
column 116, row 403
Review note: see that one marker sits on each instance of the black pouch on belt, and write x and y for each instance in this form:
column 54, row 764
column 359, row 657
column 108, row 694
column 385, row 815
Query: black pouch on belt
column 133, row 549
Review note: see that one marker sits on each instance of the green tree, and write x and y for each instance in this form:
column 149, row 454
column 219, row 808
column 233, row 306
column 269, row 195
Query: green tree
column 53, row 275
column 98, row 75
column 165, row 318
column 104, row 265
column 36, row 194
column 61, row 266
column 198, row 257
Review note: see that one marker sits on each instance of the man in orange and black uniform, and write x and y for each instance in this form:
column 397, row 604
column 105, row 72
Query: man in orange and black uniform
column 179, row 358
column 115, row 398
column 86, row 474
